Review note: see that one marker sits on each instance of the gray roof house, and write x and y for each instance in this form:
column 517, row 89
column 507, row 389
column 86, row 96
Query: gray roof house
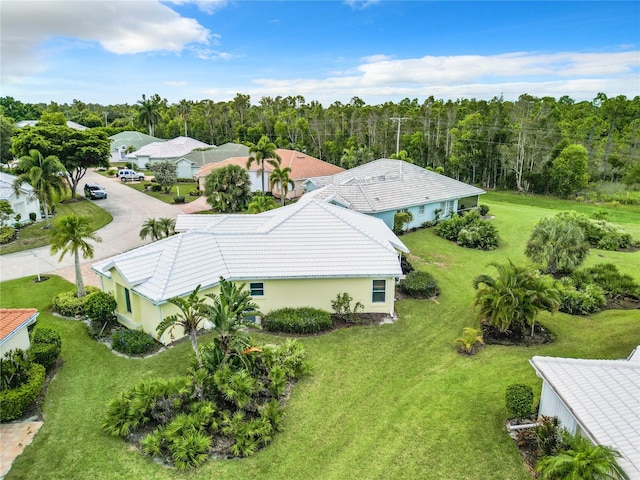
column 301, row 255
column 24, row 202
column 385, row 187
column 120, row 142
column 600, row 399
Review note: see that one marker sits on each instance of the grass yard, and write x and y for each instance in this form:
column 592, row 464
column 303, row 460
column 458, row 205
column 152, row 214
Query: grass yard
column 388, row 402
column 183, row 188
column 35, row 236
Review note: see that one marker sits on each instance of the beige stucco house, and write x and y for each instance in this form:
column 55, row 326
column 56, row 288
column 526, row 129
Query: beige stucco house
column 301, row 255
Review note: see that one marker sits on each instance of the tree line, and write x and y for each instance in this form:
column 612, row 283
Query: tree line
column 492, row 143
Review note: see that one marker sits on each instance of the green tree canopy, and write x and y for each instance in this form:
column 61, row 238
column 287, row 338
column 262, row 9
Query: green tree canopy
column 165, row 174
column 569, row 171
column 227, row 189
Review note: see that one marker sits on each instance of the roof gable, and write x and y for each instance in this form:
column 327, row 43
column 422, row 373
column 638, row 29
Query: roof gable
column 6, row 186
column 169, row 149
column 14, row 319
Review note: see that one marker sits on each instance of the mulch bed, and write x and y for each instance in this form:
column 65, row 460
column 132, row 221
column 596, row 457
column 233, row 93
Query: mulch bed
column 493, row 336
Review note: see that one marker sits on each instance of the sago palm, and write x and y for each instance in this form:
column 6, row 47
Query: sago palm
column 71, row 234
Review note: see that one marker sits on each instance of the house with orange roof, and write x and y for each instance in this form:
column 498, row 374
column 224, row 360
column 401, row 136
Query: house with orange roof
column 13, row 328
column 303, row 167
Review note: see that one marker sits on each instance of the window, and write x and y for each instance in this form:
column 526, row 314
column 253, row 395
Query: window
column 379, row 293
column 127, row 300
column 421, row 210
column 257, row 289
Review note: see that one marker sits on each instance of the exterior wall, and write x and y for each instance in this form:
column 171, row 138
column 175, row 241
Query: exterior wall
column 184, row 169
column 24, row 205
column 552, row 406
column 295, row 192
column 428, row 213
column 19, row 339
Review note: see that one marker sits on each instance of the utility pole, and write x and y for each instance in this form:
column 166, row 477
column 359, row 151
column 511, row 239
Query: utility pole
column 399, row 120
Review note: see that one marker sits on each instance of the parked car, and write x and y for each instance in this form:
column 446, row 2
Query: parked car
column 94, row 191
column 130, row 175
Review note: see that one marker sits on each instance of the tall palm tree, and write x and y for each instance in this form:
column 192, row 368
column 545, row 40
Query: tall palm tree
column 280, row 176
column 44, row 175
column 148, row 112
column 558, row 244
column 71, row 234
column 192, row 312
column 261, row 153
column 511, row 301
column 581, row 461
column 151, row 228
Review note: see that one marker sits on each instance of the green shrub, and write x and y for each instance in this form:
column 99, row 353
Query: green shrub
column 68, row 304
column 519, row 400
column 419, row 284
column 483, row 210
column 469, row 231
column 16, row 401
column 46, row 345
column 547, row 436
column 7, row 234
column 156, row 187
column 14, row 368
column 195, row 193
column 586, row 301
column 599, row 233
column 178, row 199
column 290, row 356
column 606, row 276
column 470, row 341
column 100, row 306
column 298, row 320
column 132, row 342
column 342, row 307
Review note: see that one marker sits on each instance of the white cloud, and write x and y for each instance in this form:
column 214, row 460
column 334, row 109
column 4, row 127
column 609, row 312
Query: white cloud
column 207, row 6
column 119, row 27
column 360, row 4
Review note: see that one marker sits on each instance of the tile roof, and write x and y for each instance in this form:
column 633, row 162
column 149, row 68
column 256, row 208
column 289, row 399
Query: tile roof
column 33, row 123
column 6, row 186
column 135, row 139
column 12, row 319
column 386, row 184
column 604, row 397
column 302, row 166
column 169, row 149
column 310, row 240
column 216, row 154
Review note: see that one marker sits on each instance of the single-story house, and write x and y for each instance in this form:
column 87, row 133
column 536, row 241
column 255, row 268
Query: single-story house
column 599, row 399
column 120, row 142
column 33, row 123
column 167, row 150
column 303, row 167
column 301, row 255
column 13, row 328
column 385, row 187
column 24, row 202
column 193, row 161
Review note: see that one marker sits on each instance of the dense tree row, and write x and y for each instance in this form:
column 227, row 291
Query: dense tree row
column 495, row 143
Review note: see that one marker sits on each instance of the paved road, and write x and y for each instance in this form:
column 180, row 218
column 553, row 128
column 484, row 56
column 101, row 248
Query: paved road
column 129, row 208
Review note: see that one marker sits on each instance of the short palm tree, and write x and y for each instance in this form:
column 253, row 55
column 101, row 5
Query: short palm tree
column 71, row 234
column 558, row 245
column 581, row 461
column 43, row 174
column 261, row 153
column 511, row 301
column 151, row 228
column 167, row 226
column 280, row 176
column 261, row 203
column 192, row 313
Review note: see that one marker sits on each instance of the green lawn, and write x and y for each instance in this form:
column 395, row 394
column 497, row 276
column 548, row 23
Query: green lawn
column 388, row 402
column 35, row 235
column 183, row 187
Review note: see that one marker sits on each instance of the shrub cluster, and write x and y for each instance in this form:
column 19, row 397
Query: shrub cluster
column 519, row 400
column 599, row 233
column 298, row 320
column 132, row 342
column 15, row 401
column 68, row 304
column 483, row 210
column 469, row 231
column 195, row 193
column 7, row 234
column 589, row 299
column 46, row 345
column 606, row 276
column 100, row 306
column 419, row 284
column 178, row 199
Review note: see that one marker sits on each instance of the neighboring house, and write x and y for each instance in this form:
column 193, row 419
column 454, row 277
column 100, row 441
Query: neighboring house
column 32, row 123
column 301, row 255
column 192, row 162
column 167, row 151
column 385, row 187
column 13, row 328
column 599, row 399
column 120, row 142
column 303, row 167
column 24, row 202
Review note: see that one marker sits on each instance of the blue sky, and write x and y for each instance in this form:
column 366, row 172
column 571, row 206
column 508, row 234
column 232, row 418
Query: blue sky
column 114, row 51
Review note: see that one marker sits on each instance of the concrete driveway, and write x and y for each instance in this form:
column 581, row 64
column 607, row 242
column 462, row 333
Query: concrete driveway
column 129, row 208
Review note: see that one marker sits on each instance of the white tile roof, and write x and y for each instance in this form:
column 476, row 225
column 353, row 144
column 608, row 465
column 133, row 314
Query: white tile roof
column 174, row 148
column 305, row 240
column 6, row 186
column 33, row 123
column 385, row 184
column 604, row 397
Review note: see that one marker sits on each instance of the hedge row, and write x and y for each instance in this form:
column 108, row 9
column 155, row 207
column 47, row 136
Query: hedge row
column 298, row 320
column 14, row 402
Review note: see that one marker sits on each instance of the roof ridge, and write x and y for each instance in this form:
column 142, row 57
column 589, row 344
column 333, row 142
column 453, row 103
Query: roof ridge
column 168, row 266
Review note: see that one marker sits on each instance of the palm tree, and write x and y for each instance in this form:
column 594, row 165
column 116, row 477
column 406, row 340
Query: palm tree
column 261, row 203
column 44, row 175
column 71, row 234
column 227, row 189
column 167, row 226
column 192, row 312
column 581, row 461
column 151, row 228
column 260, row 153
column 280, row 176
column 148, row 112
column 511, row 301
column 558, row 244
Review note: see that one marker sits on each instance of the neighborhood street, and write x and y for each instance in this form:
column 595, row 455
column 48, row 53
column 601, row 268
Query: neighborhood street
column 129, row 209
